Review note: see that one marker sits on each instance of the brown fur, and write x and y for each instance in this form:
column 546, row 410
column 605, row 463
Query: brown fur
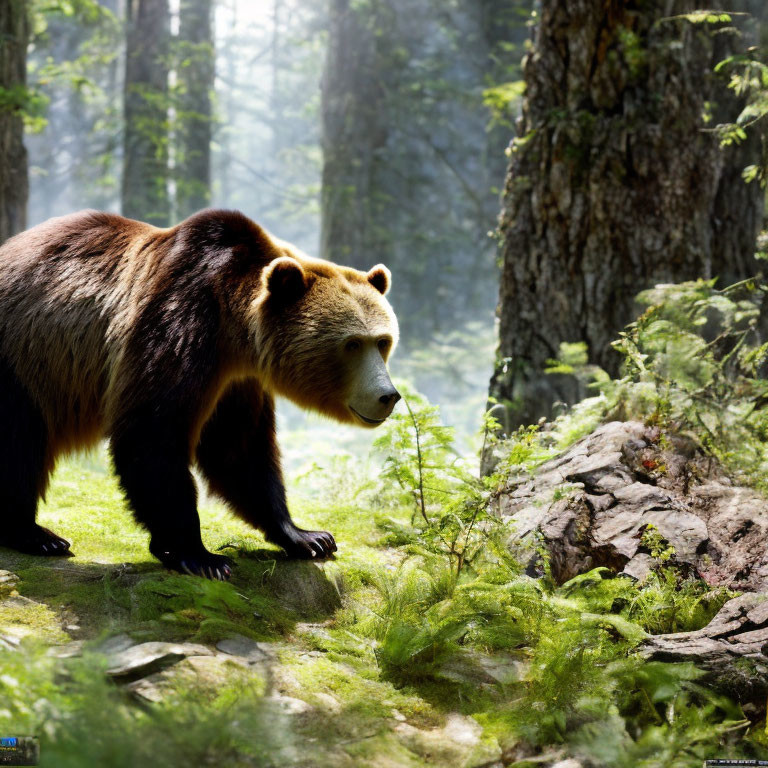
column 107, row 322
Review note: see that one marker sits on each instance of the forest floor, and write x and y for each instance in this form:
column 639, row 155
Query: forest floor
column 295, row 688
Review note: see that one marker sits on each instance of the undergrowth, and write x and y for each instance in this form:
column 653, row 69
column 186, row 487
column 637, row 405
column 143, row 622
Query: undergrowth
column 558, row 661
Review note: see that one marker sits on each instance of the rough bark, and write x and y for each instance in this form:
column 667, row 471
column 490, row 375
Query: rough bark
column 14, row 183
column 614, row 185
column 194, row 119
column 145, row 151
column 591, row 505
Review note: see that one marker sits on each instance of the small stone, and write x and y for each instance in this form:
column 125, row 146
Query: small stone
column 289, row 705
column 9, row 642
column 8, row 582
column 146, row 658
column 244, row 647
column 639, row 567
column 462, row 730
column 115, row 644
column 67, row 651
column 328, row 702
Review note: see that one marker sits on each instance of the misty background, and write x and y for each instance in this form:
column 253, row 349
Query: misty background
column 361, row 132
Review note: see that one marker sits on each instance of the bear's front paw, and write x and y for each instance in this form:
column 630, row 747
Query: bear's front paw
column 205, row 564
column 306, row 544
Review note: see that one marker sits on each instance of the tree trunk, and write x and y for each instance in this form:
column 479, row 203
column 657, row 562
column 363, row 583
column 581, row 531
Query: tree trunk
column 409, row 167
column 195, row 73
column 145, row 152
column 614, row 185
column 14, row 184
column 354, row 130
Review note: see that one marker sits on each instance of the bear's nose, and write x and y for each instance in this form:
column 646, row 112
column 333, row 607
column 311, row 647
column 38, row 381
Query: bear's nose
column 390, row 398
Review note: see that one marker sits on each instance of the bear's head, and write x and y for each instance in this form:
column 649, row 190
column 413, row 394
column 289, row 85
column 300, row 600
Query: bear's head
column 324, row 335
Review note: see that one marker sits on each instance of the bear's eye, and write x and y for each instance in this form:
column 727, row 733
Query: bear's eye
column 383, row 345
column 353, row 346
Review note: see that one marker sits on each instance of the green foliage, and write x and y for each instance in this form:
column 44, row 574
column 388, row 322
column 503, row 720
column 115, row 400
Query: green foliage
column 435, row 481
column 693, row 364
column 669, row 602
column 28, row 102
column 197, row 609
column 705, row 17
column 501, row 99
column 749, row 81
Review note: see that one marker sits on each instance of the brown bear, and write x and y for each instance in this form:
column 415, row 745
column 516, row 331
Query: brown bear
column 172, row 343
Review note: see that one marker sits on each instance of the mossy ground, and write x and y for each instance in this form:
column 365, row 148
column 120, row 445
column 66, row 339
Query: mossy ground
column 113, row 585
column 377, row 659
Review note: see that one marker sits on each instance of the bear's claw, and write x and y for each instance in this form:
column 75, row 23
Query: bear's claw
column 208, row 565
column 308, row 544
column 36, row 540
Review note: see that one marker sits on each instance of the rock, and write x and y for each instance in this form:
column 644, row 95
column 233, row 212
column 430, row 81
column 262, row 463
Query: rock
column 244, row 648
column 146, row 658
column 639, row 566
column 328, row 702
column 9, row 642
column 591, row 504
column 8, row 582
column 477, row 668
column 208, row 674
column 148, row 689
column 19, row 601
column 289, row 705
column 452, row 744
column 115, row 644
column 67, row 651
column 731, row 649
column 310, row 589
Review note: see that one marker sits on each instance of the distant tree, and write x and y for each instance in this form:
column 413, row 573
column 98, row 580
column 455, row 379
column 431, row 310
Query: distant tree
column 73, row 64
column 355, row 131
column 409, row 166
column 195, row 71
column 266, row 158
column 145, row 192
column 14, row 185
column 617, row 181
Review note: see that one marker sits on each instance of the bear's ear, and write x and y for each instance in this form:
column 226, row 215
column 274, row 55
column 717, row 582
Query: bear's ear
column 379, row 277
column 285, row 279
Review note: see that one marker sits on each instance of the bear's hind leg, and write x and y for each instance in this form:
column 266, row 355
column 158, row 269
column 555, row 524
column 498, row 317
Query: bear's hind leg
column 24, row 469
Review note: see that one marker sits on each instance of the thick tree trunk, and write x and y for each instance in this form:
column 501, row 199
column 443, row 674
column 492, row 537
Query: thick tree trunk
column 614, row 185
column 145, row 153
column 14, row 184
column 194, row 120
